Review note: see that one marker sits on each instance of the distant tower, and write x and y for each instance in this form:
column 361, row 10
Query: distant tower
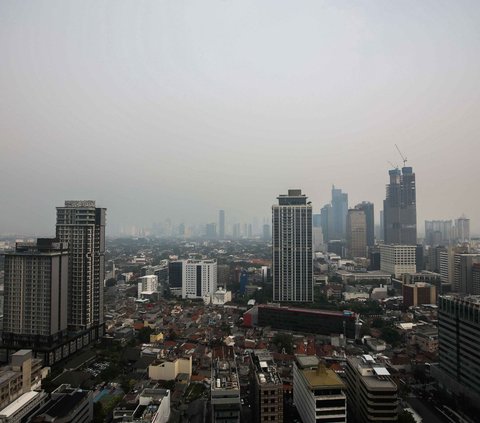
column 339, row 213
column 400, row 208
column 462, row 229
column 368, row 208
column 221, row 224
column 82, row 226
column 292, row 248
column 356, row 233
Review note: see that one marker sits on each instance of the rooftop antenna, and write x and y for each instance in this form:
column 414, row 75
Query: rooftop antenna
column 401, row 155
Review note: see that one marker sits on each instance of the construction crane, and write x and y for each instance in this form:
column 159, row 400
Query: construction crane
column 401, row 155
column 393, row 165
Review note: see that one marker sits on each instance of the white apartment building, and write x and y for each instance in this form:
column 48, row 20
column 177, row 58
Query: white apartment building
column 147, row 285
column 199, row 278
column 397, row 259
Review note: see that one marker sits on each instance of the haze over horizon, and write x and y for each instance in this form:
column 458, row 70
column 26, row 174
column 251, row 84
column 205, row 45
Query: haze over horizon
column 178, row 109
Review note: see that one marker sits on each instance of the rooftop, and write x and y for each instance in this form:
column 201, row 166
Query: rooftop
column 373, row 374
column 316, row 374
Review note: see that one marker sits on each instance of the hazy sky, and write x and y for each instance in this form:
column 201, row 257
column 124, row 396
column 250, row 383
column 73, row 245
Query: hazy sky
column 179, row 108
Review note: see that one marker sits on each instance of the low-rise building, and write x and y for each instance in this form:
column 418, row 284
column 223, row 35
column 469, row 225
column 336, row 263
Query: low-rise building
column 169, row 369
column 150, row 406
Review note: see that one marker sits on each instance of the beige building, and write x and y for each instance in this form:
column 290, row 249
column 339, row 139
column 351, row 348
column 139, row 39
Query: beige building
column 170, row 369
column 318, row 393
column 23, row 374
column 356, row 233
column 398, row 259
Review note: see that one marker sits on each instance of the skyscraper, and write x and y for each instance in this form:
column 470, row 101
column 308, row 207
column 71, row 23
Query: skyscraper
column 292, row 248
column 82, row 226
column 369, row 211
column 326, row 222
column 400, row 208
column 221, row 224
column 356, row 233
column 339, row 213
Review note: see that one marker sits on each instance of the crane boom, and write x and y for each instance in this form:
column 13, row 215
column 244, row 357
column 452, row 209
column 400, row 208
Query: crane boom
column 401, row 155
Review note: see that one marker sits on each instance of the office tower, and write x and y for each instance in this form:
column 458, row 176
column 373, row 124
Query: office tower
column 211, row 230
column 356, row 233
column 181, row 230
column 326, row 222
column 147, row 285
column 462, row 229
column 419, row 258
column 400, row 208
column 318, row 393
column 249, row 231
column 339, row 213
column 199, row 278
column 398, row 259
column 35, row 296
column 418, row 293
column 267, row 388
column 371, row 394
column 458, row 335
column 175, row 274
column 438, row 232
column 225, row 386
column 462, row 272
column 221, row 224
column 82, row 226
column 369, row 210
column 267, row 235
column 317, row 220
column 292, row 248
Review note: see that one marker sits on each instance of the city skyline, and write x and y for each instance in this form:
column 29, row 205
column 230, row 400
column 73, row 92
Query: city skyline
column 184, row 107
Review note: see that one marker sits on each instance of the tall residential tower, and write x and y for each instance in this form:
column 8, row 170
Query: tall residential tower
column 82, row 226
column 292, row 248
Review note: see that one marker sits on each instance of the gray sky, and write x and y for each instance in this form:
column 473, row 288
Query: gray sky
column 176, row 109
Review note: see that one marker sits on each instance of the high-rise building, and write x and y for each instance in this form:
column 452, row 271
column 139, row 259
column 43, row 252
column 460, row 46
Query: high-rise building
column 438, row 232
column 458, row 335
column 339, row 213
column 221, row 224
column 292, row 248
column 317, row 220
column 356, row 233
column 317, row 239
column 369, row 211
column 398, row 259
column 35, row 295
column 372, row 396
column 318, row 393
column 382, row 226
column 463, row 273
column 199, row 278
column 82, row 226
column 326, row 222
column 462, row 229
column 400, row 208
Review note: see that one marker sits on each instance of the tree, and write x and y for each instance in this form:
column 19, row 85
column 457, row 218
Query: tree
column 405, row 417
column 283, row 340
column 391, row 336
column 144, row 334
